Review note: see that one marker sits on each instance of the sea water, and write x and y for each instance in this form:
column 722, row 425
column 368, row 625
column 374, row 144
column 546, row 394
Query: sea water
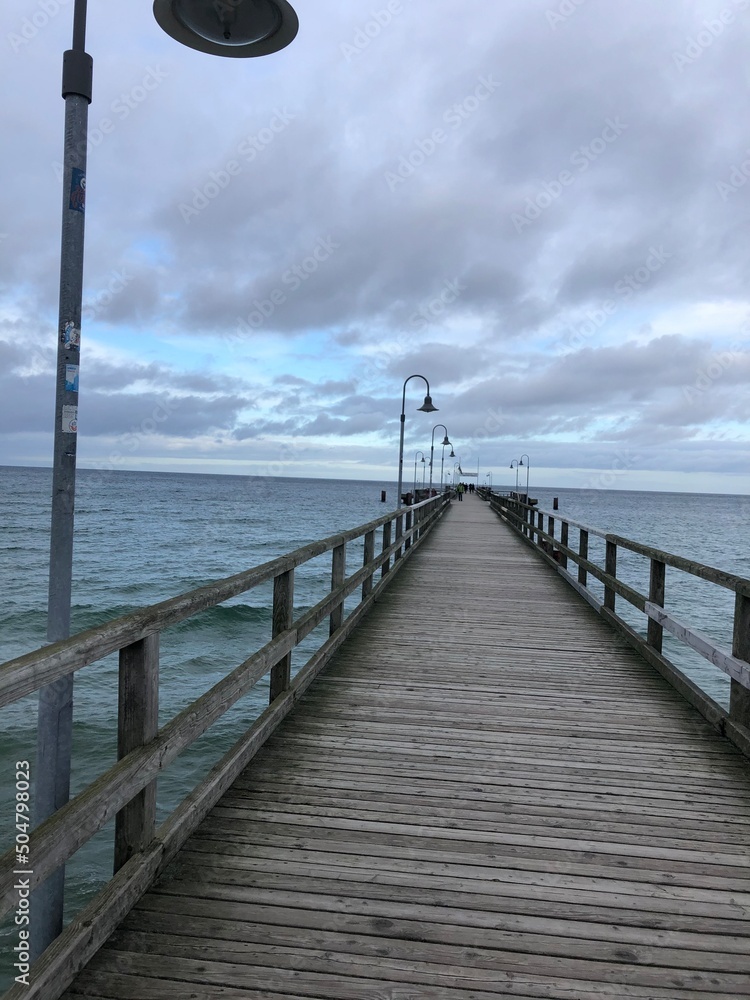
column 144, row 537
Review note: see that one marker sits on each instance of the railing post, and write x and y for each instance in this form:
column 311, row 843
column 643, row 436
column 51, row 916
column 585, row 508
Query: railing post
column 655, row 632
column 338, row 572
column 399, row 535
column 739, row 696
column 386, row 545
column 367, row 558
column 564, row 529
column 540, row 525
column 610, row 568
column 409, row 515
column 583, row 553
column 137, row 724
column 283, row 616
column 551, row 532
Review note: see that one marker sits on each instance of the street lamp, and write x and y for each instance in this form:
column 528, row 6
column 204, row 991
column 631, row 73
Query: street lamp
column 432, row 448
column 426, row 407
column 528, row 466
column 442, row 459
column 514, row 465
column 230, row 28
column 490, row 478
column 415, row 469
column 236, row 28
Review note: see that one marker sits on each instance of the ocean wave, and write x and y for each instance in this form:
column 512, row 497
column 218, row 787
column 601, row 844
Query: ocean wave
column 228, row 618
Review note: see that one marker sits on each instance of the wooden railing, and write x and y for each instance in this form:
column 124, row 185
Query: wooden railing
column 549, row 533
column 127, row 790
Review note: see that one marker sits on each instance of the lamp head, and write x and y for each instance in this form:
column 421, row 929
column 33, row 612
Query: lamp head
column 238, row 28
column 427, row 406
column 445, row 440
column 452, row 454
column 423, row 458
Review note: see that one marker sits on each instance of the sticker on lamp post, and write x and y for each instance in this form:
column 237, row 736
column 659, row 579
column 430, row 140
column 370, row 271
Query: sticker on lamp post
column 71, row 336
column 71, row 378
column 77, row 190
column 70, row 419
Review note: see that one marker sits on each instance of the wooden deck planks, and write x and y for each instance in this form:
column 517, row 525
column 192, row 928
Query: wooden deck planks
column 487, row 794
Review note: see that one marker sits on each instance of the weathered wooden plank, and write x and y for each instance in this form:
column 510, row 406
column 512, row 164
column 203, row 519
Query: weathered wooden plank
column 737, row 669
column 313, row 985
column 297, row 824
column 641, row 874
column 403, row 880
column 409, row 940
column 283, row 617
column 264, row 966
column 337, row 906
column 138, row 723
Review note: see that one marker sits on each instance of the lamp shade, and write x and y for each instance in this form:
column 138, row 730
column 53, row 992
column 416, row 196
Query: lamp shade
column 445, row 440
column 238, row 28
column 427, row 406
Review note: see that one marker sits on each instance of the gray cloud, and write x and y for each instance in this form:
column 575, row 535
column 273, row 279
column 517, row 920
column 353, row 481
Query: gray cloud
column 530, row 166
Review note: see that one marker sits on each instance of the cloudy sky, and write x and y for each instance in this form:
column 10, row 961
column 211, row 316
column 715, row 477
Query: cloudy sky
column 540, row 205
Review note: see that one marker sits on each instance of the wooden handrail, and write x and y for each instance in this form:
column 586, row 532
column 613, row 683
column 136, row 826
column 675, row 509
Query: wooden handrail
column 126, row 791
column 736, row 665
column 26, row 674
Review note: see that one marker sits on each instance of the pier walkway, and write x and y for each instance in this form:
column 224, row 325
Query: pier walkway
column 488, row 793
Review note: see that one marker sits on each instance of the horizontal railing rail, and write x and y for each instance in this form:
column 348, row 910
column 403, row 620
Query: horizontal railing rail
column 554, row 545
column 127, row 790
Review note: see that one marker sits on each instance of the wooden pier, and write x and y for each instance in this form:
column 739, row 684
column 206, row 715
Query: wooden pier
column 487, row 793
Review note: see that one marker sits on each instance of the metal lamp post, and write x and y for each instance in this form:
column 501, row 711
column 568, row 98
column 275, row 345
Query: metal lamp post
column 514, row 465
column 432, row 448
column 442, row 459
column 426, row 407
column 236, row 28
column 415, row 469
column 528, row 466
column 489, row 475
